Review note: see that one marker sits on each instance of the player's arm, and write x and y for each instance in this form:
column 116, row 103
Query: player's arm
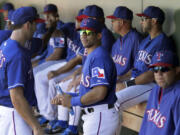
column 21, row 105
column 146, row 77
column 57, row 54
column 95, row 95
column 67, row 67
column 124, row 77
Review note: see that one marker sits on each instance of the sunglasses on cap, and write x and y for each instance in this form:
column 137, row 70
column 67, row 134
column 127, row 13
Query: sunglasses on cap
column 162, row 69
column 87, row 32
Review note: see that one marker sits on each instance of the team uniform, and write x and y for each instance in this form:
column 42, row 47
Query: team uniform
column 16, row 71
column 162, row 112
column 98, row 70
column 135, row 94
column 124, row 51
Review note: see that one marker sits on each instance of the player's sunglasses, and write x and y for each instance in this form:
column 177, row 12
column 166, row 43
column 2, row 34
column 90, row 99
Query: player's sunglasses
column 87, row 32
column 162, row 69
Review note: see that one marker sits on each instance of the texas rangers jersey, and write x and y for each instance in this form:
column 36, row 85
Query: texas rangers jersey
column 124, row 51
column 74, row 44
column 15, row 71
column 162, row 115
column 99, row 69
column 147, row 49
column 40, row 30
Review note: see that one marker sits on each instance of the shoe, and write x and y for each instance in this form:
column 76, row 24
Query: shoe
column 54, row 127
column 42, row 121
column 68, row 132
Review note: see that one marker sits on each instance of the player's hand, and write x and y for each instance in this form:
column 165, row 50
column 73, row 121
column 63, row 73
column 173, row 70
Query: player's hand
column 120, row 86
column 38, row 131
column 64, row 100
column 56, row 100
column 52, row 74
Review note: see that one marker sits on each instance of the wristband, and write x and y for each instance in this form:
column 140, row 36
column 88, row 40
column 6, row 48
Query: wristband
column 76, row 101
column 130, row 83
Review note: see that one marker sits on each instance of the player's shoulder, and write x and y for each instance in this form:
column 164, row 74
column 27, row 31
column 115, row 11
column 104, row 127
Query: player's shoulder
column 12, row 49
column 176, row 89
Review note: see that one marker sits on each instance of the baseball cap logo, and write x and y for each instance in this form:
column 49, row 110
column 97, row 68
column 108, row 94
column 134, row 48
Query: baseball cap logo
column 159, row 56
column 85, row 22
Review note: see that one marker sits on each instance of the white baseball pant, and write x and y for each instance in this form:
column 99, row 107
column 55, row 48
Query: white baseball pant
column 102, row 121
column 133, row 95
column 63, row 112
column 12, row 123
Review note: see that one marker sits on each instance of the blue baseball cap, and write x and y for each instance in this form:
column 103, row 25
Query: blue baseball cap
column 78, row 17
column 122, row 12
column 23, row 15
column 153, row 12
column 50, row 8
column 92, row 11
column 91, row 24
column 7, row 6
column 165, row 59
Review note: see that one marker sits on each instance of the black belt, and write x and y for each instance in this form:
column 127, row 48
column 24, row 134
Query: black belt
column 90, row 109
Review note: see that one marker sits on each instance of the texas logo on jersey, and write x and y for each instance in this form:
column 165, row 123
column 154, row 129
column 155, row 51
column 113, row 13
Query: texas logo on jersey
column 119, row 59
column 98, row 72
column 156, row 117
column 144, row 56
column 2, row 59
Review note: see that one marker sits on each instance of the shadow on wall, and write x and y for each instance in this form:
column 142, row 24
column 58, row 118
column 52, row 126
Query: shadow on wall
column 176, row 34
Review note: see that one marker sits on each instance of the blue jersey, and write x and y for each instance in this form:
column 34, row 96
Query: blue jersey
column 124, row 51
column 99, row 69
column 147, row 49
column 107, row 39
column 74, row 44
column 162, row 115
column 4, row 35
column 15, row 71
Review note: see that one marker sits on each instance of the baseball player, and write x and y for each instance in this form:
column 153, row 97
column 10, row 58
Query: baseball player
column 16, row 81
column 163, row 108
column 5, row 9
column 137, row 89
column 56, row 46
column 97, row 88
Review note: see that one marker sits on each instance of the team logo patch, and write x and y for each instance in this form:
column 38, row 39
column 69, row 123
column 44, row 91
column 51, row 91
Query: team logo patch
column 98, row 72
column 159, row 55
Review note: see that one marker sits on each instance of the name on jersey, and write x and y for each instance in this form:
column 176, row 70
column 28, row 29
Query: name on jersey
column 98, row 72
column 2, row 59
column 144, row 56
column 119, row 59
column 73, row 47
column 156, row 117
column 85, row 80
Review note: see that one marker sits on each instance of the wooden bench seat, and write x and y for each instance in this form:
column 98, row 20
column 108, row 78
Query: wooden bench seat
column 132, row 117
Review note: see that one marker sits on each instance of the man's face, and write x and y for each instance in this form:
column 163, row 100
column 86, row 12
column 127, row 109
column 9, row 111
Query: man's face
column 146, row 24
column 116, row 25
column 5, row 13
column 49, row 19
column 88, row 38
column 164, row 76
